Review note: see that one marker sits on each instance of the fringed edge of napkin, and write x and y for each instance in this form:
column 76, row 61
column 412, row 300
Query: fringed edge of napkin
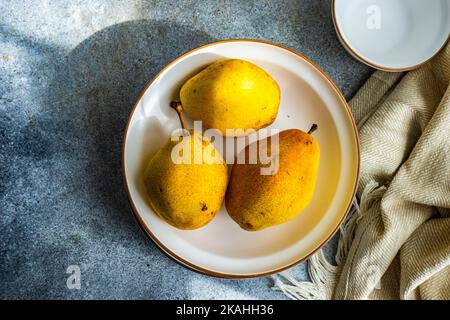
column 323, row 274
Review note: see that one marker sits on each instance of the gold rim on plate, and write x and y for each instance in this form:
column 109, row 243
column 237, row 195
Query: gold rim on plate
column 188, row 264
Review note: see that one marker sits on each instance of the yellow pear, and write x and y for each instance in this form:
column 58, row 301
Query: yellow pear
column 256, row 201
column 186, row 180
column 231, row 94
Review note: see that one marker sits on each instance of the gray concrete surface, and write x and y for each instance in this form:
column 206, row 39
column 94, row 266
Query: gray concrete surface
column 69, row 74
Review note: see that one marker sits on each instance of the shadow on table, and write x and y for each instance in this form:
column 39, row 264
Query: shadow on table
column 103, row 77
column 62, row 165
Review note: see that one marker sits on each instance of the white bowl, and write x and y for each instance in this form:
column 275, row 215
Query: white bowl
column 392, row 35
column 222, row 248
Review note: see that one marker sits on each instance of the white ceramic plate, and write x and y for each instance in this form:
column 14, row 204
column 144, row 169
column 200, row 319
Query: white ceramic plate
column 222, row 248
column 392, row 35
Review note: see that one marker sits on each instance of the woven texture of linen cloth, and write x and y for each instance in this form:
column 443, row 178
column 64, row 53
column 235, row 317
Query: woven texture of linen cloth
column 401, row 243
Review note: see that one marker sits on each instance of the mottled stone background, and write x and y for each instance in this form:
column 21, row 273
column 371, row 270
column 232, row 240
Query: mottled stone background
column 69, row 74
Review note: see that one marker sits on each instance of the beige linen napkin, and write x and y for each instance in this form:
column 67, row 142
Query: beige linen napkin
column 396, row 244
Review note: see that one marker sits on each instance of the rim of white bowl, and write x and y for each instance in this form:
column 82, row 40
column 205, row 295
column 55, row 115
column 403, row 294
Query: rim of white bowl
column 372, row 64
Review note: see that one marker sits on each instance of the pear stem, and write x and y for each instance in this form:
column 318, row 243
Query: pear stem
column 179, row 109
column 314, row 127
